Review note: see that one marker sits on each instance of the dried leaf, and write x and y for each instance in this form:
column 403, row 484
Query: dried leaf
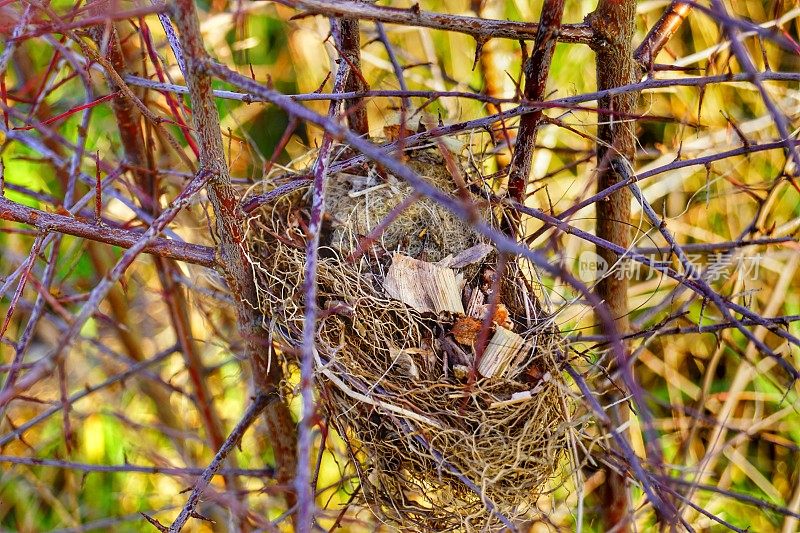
column 466, row 330
column 470, row 256
column 500, row 317
column 393, row 132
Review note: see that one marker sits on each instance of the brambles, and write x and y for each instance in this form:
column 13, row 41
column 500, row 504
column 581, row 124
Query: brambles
column 330, row 264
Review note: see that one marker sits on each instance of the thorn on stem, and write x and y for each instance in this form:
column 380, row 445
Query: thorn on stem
column 98, row 190
column 155, row 523
column 478, row 48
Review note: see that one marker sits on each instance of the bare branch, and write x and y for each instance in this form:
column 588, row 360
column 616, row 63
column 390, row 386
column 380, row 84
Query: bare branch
column 305, row 495
column 46, row 364
column 348, row 41
column 661, row 33
column 746, row 62
column 260, row 402
column 536, row 73
column 230, row 228
column 71, row 225
column 130, row 468
column 481, row 29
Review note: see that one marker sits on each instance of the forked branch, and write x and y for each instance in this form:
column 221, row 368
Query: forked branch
column 229, row 219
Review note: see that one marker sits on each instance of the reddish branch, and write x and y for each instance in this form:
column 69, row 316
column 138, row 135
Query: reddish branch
column 127, row 115
column 189, row 253
column 537, row 69
column 349, row 44
column 481, row 29
column 62, row 26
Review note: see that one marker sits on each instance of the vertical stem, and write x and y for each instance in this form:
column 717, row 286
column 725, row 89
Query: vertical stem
column 537, row 69
column 303, row 486
column 355, row 108
column 267, row 373
column 613, row 23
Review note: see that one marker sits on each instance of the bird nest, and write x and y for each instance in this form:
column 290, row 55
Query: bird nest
column 454, row 419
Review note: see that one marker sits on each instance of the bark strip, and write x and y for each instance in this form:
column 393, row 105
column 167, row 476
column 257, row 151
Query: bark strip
column 662, row 32
column 350, row 49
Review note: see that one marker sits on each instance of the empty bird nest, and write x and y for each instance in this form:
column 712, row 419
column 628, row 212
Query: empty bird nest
column 455, row 420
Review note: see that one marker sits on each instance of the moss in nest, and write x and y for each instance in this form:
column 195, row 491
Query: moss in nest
column 356, row 204
column 442, row 447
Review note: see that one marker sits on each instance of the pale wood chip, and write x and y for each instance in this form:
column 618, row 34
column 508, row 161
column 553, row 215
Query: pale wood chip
column 426, row 287
column 500, row 351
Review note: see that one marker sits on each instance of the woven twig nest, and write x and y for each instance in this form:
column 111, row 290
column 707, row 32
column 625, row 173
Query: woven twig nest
column 441, row 441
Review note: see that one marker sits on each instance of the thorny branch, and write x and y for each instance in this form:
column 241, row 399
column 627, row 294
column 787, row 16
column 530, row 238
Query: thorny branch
column 260, row 402
column 661, row 33
column 536, row 73
column 305, row 492
column 481, row 29
column 229, row 220
column 71, row 225
column 46, row 365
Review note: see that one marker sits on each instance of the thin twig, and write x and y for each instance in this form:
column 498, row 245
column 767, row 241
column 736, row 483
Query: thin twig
column 69, row 225
column 746, row 62
column 305, row 493
column 45, row 365
column 260, row 402
column 129, row 468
